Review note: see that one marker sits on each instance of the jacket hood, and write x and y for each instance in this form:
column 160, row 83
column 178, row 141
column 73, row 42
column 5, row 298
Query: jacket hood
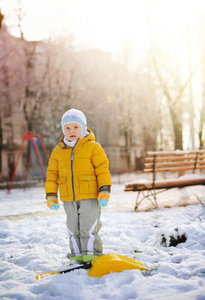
column 90, row 137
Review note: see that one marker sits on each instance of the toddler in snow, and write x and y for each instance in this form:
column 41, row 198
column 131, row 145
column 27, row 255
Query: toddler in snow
column 78, row 168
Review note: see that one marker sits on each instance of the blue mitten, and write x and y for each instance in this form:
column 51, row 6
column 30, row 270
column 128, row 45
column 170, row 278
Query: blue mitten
column 103, row 202
column 55, row 207
column 103, row 198
column 52, row 203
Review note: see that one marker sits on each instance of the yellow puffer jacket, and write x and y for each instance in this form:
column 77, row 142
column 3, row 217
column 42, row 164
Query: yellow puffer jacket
column 78, row 173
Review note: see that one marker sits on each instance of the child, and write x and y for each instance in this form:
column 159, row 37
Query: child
column 78, row 167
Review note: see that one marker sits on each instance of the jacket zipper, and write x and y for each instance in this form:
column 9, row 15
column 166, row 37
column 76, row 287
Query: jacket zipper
column 72, row 176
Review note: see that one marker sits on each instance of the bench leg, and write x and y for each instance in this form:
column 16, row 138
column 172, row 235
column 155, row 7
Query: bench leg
column 137, row 201
column 150, row 195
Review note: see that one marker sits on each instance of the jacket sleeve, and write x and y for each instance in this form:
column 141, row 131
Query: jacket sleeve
column 52, row 175
column 101, row 164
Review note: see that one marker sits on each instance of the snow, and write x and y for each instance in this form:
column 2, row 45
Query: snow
column 33, row 240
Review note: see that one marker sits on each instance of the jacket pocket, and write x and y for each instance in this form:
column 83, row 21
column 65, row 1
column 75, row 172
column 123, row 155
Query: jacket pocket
column 62, row 184
column 88, row 184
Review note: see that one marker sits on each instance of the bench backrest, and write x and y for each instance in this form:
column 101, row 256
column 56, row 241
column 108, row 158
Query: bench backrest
column 173, row 161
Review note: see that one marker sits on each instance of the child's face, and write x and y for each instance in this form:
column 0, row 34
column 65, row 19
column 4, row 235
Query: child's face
column 72, row 131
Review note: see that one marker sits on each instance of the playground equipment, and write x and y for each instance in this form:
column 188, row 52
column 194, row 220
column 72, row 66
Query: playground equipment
column 34, row 141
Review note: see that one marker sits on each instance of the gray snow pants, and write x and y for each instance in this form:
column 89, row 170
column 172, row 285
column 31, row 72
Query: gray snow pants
column 83, row 224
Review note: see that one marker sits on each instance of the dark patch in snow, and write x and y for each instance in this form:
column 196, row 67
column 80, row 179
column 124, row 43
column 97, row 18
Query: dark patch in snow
column 173, row 240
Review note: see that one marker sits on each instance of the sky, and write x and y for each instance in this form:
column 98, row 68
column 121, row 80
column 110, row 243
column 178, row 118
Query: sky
column 102, row 23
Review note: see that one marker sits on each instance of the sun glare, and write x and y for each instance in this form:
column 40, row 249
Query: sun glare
column 169, row 25
column 105, row 23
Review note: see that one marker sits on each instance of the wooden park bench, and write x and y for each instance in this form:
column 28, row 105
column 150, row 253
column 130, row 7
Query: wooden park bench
column 168, row 161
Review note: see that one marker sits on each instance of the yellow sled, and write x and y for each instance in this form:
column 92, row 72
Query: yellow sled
column 106, row 264
column 103, row 265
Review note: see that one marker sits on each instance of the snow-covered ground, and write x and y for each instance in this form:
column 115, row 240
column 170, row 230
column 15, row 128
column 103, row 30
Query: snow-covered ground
column 33, row 240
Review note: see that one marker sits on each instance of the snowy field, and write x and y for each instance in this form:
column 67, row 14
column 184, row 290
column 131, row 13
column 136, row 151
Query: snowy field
column 33, row 240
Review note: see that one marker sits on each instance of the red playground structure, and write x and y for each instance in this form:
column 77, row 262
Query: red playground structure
column 34, row 140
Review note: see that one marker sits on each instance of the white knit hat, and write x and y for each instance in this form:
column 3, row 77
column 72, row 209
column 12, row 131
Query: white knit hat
column 76, row 116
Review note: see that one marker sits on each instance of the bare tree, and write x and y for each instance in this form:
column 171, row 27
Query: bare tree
column 175, row 103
